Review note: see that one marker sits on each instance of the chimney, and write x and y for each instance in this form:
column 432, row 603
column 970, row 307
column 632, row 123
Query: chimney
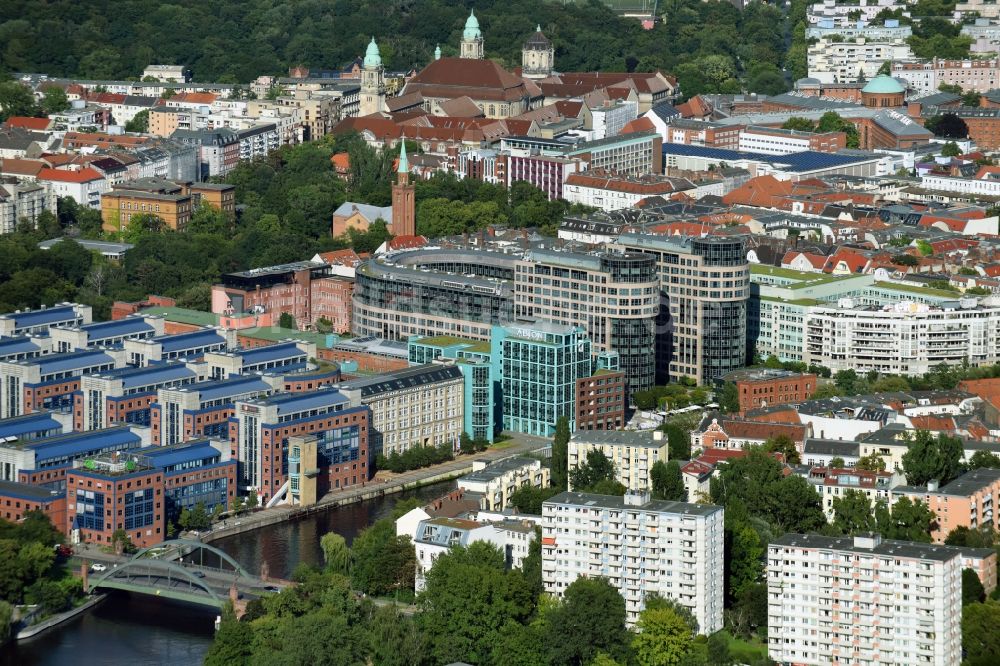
column 932, row 486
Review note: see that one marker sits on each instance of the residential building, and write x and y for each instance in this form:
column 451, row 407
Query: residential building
column 833, row 483
column 611, row 192
column 968, row 501
column 673, row 549
column 834, row 61
column 601, row 399
column 218, row 150
column 24, row 201
column 260, row 430
column 38, row 322
column 707, row 284
column 548, row 173
column 778, row 141
column 203, row 409
column 972, row 75
column 167, row 73
column 494, row 483
column 633, row 454
column 610, row 117
column 148, row 197
column 84, row 185
column 418, row 406
column 436, row 536
column 719, row 432
column 765, row 387
column 863, row 599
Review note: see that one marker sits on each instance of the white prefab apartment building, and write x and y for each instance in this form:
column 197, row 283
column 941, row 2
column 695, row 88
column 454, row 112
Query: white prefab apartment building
column 863, row 600
column 674, row 549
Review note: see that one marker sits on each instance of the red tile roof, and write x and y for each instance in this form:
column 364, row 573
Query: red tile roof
column 407, row 242
column 65, row 176
column 25, row 122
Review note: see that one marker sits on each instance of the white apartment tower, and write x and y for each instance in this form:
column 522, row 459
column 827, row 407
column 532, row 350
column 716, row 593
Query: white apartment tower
column 674, row 549
column 863, row 601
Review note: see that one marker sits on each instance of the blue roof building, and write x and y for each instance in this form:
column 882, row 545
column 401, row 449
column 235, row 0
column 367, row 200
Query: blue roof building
column 61, row 451
column 37, row 322
column 183, row 346
column 48, row 382
column 213, row 485
column 281, row 357
column 106, row 333
column 203, row 409
column 125, row 395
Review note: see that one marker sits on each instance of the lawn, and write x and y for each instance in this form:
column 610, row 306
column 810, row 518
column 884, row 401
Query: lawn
column 745, row 652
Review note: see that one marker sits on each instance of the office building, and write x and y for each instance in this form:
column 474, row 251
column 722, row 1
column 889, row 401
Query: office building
column 863, row 599
column 674, row 549
column 282, row 357
column 418, row 406
column 633, row 453
column 43, row 462
column 260, row 432
column 125, row 395
column 179, row 347
column 199, row 472
column 24, row 347
column 105, row 333
column 602, row 398
column 707, row 283
column 613, row 296
column 494, row 483
column 203, row 409
column 115, row 492
column 539, row 363
column 483, row 410
column 17, row 499
column 765, row 387
column 38, row 322
column 48, row 382
column 37, row 425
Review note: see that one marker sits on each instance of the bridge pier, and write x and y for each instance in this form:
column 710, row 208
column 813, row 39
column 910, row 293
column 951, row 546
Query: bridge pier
column 85, row 577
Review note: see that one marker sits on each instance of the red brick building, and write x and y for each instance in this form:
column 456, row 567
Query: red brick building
column 17, row 499
column 113, row 493
column 758, row 388
column 600, row 401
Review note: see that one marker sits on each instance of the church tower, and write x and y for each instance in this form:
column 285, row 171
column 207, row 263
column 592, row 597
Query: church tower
column 404, row 221
column 472, row 39
column 537, row 56
column 372, row 82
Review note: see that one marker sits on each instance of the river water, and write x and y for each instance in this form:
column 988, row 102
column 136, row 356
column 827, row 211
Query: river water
column 134, row 630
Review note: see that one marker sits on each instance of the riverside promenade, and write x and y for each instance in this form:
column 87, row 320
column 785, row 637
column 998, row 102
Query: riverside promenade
column 518, row 444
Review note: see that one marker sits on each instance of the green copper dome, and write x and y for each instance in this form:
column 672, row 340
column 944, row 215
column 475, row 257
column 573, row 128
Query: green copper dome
column 883, row 84
column 472, row 28
column 372, row 57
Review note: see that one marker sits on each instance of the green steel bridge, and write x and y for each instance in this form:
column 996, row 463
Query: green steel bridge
column 176, row 569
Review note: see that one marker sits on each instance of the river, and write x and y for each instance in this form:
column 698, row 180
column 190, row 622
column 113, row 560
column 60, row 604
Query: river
column 137, row 630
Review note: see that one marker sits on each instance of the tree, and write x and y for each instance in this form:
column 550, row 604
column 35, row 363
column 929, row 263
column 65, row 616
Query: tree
column 983, row 536
column 718, row 649
column 873, row 462
column 950, row 149
column 664, row 638
column 336, row 554
column 905, row 260
column 667, row 481
column 121, row 542
column 252, row 501
column 984, row 458
column 907, row 520
column 784, row 445
column 468, row 599
column 529, row 498
column 560, row 454
column 54, row 100
column 394, row 639
column 16, row 100
column 184, row 519
column 598, row 468
column 729, row 398
column 799, row 124
column 6, row 617
column 139, row 124
column 852, row 512
column 382, row 562
column 590, row 620
column 931, row 458
column 947, row 125
column 286, row 320
column 678, row 441
column 238, row 505
column 980, row 638
column 837, row 463
column 972, row 588
column 200, row 520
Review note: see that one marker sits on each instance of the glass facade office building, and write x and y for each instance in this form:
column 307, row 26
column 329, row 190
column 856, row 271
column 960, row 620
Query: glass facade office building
column 538, row 364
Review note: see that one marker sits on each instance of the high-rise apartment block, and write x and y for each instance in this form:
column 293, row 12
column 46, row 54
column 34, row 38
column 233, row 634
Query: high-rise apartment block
column 674, row 549
column 863, row 600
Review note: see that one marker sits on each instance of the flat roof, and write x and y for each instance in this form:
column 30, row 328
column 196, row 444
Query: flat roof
column 270, row 353
column 183, row 315
column 108, row 329
column 497, row 469
column 28, row 492
column 887, row 547
column 419, row 375
column 104, row 247
column 615, row 502
column 619, row 438
column 180, row 341
column 168, row 456
column 77, row 443
column 19, row 425
column 19, row 345
column 297, row 402
column 153, row 374
column 70, row 361
column 31, row 318
column 225, row 388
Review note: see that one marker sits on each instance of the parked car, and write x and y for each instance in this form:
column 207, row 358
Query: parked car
column 198, row 574
column 97, row 566
column 62, row 550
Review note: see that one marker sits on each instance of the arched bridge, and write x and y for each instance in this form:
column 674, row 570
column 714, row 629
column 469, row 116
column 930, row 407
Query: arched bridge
column 177, row 569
